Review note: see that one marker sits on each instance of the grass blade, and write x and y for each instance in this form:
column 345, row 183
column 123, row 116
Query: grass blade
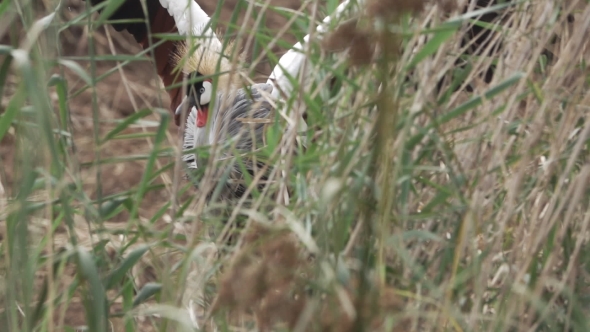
column 117, row 275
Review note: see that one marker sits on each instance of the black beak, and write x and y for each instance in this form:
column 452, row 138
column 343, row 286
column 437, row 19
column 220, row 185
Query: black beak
column 185, row 106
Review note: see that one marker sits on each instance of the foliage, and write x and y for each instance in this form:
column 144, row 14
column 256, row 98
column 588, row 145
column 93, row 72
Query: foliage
column 444, row 184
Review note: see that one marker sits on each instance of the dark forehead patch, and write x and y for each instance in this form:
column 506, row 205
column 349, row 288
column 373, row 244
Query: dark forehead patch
column 195, row 83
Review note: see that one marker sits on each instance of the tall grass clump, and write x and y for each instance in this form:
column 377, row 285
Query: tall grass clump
column 442, row 183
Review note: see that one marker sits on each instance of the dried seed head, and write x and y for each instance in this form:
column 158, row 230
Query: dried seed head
column 359, row 42
column 340, row 39
column 448, row 6
column 392, row 8
column 264, row 277
column 361, row 51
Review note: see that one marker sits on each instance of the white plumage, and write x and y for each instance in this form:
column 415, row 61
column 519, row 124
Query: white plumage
column 290, row 63
column 189, row 17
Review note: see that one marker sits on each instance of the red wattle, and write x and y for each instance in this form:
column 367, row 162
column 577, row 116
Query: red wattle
column 201, row 118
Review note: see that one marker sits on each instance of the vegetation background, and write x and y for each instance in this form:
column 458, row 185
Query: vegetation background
column 445, row 183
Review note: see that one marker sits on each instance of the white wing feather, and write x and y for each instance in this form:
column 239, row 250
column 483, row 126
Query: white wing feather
column 190, row 140
column 291, row 62
column 191, row 19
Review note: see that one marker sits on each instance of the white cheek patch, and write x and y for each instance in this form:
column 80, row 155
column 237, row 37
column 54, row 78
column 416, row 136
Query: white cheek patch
column 206, row 95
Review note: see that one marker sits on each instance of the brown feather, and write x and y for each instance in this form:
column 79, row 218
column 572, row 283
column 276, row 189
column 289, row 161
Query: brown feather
column 164, row 23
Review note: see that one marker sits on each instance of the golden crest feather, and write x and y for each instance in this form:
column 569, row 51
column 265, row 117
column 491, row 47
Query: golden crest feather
column 207, row 60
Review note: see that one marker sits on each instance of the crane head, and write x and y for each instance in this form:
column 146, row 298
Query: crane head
column 217, row 106
column 206, row 66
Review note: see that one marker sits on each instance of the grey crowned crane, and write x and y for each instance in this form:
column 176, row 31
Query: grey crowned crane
column 214, row 102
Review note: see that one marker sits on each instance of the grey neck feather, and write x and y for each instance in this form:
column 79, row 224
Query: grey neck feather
column 230, row 124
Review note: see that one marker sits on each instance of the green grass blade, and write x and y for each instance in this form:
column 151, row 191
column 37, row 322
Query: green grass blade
column 11, row 111
column 478, row 100
column 126, row 123
column 95, row 302
column 77, row 69
column 117, row 275
column 147, row 291
column 445, row 32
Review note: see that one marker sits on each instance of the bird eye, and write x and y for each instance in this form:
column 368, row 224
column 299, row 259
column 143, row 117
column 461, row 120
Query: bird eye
column 205, row 93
